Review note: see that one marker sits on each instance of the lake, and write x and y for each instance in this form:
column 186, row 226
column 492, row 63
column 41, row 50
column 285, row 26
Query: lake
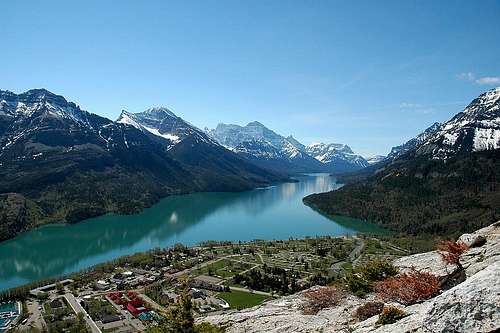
column 276, row 212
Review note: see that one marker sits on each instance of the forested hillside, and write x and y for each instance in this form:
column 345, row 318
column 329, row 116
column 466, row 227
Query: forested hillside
column 444, row 197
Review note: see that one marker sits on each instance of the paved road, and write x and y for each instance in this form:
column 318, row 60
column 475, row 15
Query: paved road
column 353, row 256
column 75, row 305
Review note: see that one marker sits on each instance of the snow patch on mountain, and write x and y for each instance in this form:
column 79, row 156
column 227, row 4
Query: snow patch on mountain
column 476, row 128
column 333, row 152
column 375, row 159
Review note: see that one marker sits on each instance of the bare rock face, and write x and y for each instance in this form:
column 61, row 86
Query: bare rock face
column 430, row 262
column 479, row 258
column 285, row 315
column 471, row 306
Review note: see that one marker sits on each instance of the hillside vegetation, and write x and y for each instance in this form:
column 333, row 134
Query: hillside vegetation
column 419, row 195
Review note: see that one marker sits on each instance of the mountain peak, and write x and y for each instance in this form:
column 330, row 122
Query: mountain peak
column 255, row 123
column 158, row 113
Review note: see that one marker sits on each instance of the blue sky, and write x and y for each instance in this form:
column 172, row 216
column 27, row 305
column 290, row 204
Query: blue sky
column 371, row 74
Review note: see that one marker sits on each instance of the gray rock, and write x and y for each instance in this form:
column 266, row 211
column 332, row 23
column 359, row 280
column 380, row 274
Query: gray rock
column 430, row 262
column 472, row 240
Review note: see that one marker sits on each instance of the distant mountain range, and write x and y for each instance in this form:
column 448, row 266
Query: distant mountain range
column 59, row 163
column 268, row 149
column 444, row 181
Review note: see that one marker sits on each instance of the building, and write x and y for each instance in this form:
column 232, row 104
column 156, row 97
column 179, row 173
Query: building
column 49, row 287
column 102, row 285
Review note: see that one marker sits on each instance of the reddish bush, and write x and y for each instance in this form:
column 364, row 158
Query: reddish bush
column 390, row 315
column 368, row 310
column 322, row 298
column 409, row 288
column 451, row 251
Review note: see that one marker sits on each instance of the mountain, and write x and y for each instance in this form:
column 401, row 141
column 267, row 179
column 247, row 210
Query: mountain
column 477, row 128
column 163, row 124
column 265, row 148
column 413, row 143
column 447, row 183
column 60, row 163
column 336, row 157
column 220, row 168
column 375, row 159
column 271, row 150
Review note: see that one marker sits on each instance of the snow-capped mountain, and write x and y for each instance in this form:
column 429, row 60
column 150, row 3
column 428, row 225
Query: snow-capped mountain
column 54, row 123
column 375, row 159
column 70, row 164
column 264, row 146
column 231, row 136
column 476, row 128
column 162, row 123
column 413, row 143
column 336, row 155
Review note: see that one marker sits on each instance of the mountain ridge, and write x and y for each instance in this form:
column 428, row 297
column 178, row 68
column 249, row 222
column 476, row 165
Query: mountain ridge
column 269, row 149
column 54, row 156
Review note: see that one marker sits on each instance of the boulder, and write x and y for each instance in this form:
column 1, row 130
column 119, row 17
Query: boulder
column 430, row 262
column 472, row 240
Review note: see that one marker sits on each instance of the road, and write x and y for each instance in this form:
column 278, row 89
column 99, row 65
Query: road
column 75, row 305
column 353, row 256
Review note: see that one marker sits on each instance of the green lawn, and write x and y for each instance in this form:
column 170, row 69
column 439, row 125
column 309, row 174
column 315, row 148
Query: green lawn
column 241, row 300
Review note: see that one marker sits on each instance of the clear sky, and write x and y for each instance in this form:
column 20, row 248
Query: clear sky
column 371, row 74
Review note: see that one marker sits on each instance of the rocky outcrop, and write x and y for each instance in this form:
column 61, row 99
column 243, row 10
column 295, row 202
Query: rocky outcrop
column 426, row 262
column 471, row 306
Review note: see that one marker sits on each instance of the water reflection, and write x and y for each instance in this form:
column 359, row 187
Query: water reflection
column 272, row 213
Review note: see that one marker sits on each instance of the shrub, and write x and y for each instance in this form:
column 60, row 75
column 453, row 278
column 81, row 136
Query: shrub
column 409, row 288
column 358, row 285
column 321, row 298
column 361, row 281
column 379, row 270
column 451, row 251
column 369, row 310
column 390, row 314
column 208, row 328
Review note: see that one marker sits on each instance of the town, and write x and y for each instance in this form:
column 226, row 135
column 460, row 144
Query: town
column 132, row 293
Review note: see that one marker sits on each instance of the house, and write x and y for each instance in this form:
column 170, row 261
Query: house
column 102, row 285
column 135, row 311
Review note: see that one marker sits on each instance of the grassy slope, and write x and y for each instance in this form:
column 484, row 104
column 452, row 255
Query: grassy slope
column 241, row 300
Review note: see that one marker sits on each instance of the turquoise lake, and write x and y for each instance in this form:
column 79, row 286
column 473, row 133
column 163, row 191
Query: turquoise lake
column 276, row 212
